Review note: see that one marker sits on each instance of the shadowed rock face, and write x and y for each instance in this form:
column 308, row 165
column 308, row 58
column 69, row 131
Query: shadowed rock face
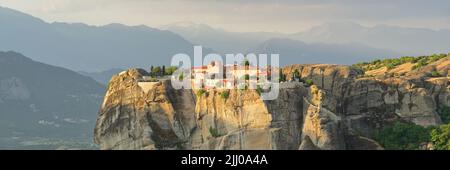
column 339, row 112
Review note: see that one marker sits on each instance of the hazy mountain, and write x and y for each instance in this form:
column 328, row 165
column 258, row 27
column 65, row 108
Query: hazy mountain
column 404, row 41
column 88, row 48
column 408, row 41
column 102, row 77
column 43, row 105
column 292, row 51
column 218, row 39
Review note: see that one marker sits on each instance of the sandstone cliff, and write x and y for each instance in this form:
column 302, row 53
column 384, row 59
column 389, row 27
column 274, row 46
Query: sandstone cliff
column 341, row 111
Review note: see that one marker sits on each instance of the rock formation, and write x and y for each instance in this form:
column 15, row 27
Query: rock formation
column 340, row 111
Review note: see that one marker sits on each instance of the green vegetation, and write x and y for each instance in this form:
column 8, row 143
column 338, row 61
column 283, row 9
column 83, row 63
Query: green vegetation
column 420, row 64
column 246, row 62
column 225, row 95
column 214, row 132
column 259, row 89
column 282, row 77
column 391, row 66
column 179, row 146
column 156, row 71
column 408, row 136
column 153, row 79
column 162, row 70
column 247, row 77
column 296, row 74
column 181, row 77
column 242, row 86
column 201, row 92
column 170, row 70
column 393, row 62
column 435, row 74
column 440, row 137
column 444, row 113
column 309, row 82
column 403, row 136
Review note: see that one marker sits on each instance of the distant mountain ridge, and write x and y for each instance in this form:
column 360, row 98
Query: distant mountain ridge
column 401, row 40
column 102, row 77
column 408, row 41
column 88, row 48
column 293, row 51
column 44, row 102
column 218, row 39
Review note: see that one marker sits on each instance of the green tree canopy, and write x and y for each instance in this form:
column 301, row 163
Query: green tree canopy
column 403, row 136
column 440, row 137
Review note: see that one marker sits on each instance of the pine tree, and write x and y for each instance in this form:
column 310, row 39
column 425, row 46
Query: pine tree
column 296, row 74
column 157, row 71
column 163, row 70
column 282, row 77
column 151, row 71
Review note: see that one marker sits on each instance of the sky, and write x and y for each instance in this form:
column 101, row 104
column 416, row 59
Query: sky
column 286, row 16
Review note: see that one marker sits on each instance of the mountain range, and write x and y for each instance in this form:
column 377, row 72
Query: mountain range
column 293, row 51
column 218, row 39
column 392, row 40
column 88, row 48
column 407, row 41
column 44, row 106
column 83, row 47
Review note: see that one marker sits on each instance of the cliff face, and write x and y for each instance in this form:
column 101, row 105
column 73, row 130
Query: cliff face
column 155, row 116
column 244, row 121
column 340, row 111
column 369, row 103
column 131, row 118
